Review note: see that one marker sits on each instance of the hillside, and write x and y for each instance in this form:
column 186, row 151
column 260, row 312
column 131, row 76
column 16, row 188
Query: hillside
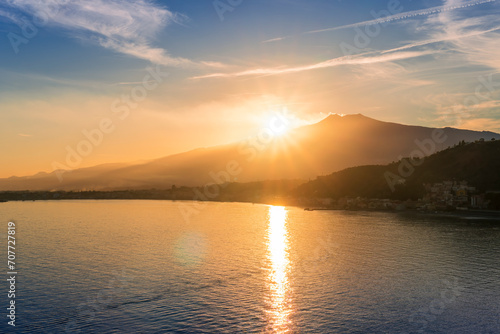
column 477, row 163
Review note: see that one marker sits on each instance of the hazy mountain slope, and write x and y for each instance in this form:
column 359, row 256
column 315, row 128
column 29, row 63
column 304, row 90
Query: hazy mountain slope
column 76, row 179
column 333, row 144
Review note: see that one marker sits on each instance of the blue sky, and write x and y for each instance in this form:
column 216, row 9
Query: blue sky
column 231, row 63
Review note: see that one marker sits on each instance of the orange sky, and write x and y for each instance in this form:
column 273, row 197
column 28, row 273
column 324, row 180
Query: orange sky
column 157, row 78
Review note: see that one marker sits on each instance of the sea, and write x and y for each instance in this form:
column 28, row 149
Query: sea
column 140, row 266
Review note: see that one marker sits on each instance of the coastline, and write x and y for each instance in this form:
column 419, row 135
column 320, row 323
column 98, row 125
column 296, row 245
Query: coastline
column 462, row 214
column 470, row 215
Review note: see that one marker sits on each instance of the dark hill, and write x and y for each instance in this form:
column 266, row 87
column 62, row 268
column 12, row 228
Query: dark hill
column 477, row 163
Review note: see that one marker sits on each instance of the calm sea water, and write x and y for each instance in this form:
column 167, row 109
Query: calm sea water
column 142, row 267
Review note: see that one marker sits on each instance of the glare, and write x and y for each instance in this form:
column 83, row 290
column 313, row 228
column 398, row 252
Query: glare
column 279, row 130
column 278, row 123
column 278, row 276
column 277, row 236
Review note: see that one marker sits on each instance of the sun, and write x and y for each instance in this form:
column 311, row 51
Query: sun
column 278, row 124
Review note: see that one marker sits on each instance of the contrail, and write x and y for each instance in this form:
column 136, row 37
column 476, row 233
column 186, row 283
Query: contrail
column 395, row 17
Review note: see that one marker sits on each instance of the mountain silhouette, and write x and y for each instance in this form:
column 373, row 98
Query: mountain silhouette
column 335, row 143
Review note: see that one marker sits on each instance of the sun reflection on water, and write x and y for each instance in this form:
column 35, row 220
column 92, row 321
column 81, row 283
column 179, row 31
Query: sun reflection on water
column 279, row 287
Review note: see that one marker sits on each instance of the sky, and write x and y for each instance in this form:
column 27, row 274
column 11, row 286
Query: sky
column 126, row 81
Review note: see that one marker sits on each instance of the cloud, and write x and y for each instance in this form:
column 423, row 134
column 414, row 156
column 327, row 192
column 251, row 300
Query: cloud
column 475, row 38
column 470, row 36
column 274, row 39
column 127, row 27
column 482, row 124
column 443, row 39
column 347, row 60
column 471, row 40
column 395, row 17
column 391, row 75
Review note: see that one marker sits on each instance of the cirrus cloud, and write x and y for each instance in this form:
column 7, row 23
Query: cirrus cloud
column 127, row 27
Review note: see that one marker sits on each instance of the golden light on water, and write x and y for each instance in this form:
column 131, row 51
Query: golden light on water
column 279, row 287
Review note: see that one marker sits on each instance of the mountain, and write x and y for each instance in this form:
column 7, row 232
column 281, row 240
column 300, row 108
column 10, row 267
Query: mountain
column 331, row 145
column 477, row 163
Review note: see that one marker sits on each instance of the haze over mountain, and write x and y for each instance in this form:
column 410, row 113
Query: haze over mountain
column 335, row 143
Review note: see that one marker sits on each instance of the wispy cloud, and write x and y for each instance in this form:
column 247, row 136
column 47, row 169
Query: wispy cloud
column 406, row 15
column 458, row 110
column 128, row 27
column 277, row 39
column 395, row 17
column 476, row 38
column 24, row 135
column 130, row 83
column 472, row 42
column 363, row 59
column 481, row 124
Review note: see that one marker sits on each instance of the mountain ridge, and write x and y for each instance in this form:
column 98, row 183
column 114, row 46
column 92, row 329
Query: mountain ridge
column 332, row 144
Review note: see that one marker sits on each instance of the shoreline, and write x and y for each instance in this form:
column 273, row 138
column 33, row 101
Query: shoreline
column 465, row 214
